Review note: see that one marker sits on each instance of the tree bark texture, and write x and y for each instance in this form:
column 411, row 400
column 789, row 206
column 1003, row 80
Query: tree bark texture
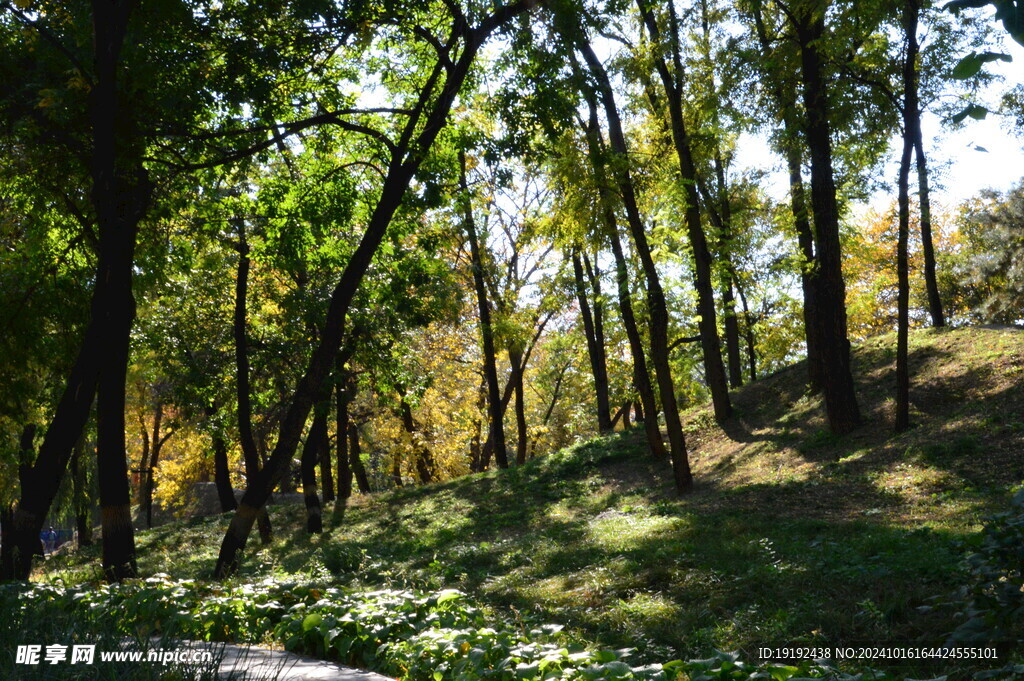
column 830, row 310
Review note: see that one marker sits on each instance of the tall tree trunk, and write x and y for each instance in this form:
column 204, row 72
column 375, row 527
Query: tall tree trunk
column 805, row 240
column 355, row 458
column 496, row 434
column 121, row 194
column 81, row 498
column 911, row 120
column 647, row 411
column 657, row 311
column 714, row 369
column 732, row 326
column 421, row 129
column 250, row 454
column 785, row 96
column 748, row 332
column 148, row 480
column 326, row 474
column 830, row 292
column 927, row 247
column 341, row 397
column 595, row 348
column 16, row 551
column 518, row 368
column 310, row 455
column 422, row 458
column 222, row 474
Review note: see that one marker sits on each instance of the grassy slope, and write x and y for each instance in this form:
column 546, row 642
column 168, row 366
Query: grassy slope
column 792, row 535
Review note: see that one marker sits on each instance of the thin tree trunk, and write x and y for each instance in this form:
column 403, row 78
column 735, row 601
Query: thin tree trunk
column 748, row 332
column 326, row 474
column 496, row 434
column 927, row 247
column 310, row 455
column 657, row 312
column 595, row 348
column 911, row 120
column 222, row 474
column 422, row 458
column 714, row 369
column 341, row 435
column 830, row 310
column 515, row 360
column 732, row 327
column 641, row 377
column 80, row 494
column 250, row 454
column 355, row 458
column 149, row 481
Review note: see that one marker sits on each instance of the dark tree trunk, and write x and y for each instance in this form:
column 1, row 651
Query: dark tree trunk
column 672, row 81
column 476, row 453
column 518, row 368
column 222, row 474
column 732, row 326
column 641, row 377
column 250, row 454
column 148, row 479
column 326, row 474
column 496, row 433
column 830, row 309
column 748, row 322
column 16, row 551
column 423, row 460
column 341, row 435
column 355, row 458
column 396, row 469
column 595, row 348
column 911, row 121
column 657, row 311
column 121, row 194
column 81, row 498
column 785, row 97
column 310, row 455
column 927, row 247
column 805, row 239
column 416, row 140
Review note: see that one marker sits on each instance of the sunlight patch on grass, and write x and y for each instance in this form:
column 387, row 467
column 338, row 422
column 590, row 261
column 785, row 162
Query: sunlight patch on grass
column 617, row 531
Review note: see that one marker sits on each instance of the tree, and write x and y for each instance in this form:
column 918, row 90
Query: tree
column 658, row 314
column 667, row 42
column 431, row 104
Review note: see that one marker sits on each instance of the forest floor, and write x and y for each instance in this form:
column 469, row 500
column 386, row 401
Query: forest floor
column 791, row 536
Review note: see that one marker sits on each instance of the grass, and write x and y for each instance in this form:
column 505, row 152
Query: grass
column 793, row 535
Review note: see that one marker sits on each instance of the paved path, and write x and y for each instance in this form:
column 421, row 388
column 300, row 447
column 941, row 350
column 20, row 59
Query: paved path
column 244, row 663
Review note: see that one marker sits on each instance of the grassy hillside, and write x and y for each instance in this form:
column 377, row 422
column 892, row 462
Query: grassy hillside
column 792, row 535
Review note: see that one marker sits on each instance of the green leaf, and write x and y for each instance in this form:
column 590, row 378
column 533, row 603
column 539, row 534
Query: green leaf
column 448, row 595
column 975, row 111
column 969, row 66
column 311, row 621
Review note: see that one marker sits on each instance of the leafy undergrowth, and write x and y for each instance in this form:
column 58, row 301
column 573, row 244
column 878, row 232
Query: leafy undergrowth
column 414, row 636
column 792, row 536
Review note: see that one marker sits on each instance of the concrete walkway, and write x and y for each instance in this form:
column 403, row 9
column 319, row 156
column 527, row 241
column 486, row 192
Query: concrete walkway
column 251, row 663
